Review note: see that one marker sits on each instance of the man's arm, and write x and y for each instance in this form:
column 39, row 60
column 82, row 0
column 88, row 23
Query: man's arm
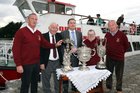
column 16, row 48
column 46, row 44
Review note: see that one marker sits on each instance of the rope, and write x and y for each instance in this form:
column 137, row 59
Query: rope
column 3, row 77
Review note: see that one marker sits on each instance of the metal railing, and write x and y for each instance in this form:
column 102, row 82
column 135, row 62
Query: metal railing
column 5, row 52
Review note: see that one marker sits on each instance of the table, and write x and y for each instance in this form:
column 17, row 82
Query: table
column 84, row 81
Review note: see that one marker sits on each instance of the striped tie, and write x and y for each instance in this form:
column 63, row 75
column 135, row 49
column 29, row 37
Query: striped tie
column 73, row 38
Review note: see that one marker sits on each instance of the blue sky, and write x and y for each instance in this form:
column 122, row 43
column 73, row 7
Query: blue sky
column 109, row 9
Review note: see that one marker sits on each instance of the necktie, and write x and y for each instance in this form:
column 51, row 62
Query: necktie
column 54, row 49
column 73, row 38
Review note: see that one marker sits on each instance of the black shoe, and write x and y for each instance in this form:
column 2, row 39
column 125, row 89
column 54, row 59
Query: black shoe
column 65, row 91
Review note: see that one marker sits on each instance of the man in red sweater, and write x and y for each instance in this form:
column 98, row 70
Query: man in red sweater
column 116, row 46
column 92, row 42
column 26, row 53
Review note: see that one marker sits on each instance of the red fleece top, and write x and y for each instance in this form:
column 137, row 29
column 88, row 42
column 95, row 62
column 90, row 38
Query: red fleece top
column 26, row 46
column 94, row 59
column 116, row 45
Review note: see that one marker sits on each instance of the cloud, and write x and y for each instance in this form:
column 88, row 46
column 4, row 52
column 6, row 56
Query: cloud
column 6, row 10
column 132, row 14
column 5, row 20
column 6, row 1
column 9, row 13
column 109, row 9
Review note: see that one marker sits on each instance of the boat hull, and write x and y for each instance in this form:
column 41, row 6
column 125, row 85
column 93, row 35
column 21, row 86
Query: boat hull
column 9, row 73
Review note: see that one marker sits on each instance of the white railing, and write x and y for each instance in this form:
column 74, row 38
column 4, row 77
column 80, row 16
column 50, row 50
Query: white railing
column 6, row 52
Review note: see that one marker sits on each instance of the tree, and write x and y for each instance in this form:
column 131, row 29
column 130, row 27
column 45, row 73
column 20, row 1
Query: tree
column 9, row 30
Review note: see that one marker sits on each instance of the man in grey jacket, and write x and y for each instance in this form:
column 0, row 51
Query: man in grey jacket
column 76, row 37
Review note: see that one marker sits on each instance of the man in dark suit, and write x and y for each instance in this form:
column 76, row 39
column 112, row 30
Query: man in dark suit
column 76, row 37
column 51, row 59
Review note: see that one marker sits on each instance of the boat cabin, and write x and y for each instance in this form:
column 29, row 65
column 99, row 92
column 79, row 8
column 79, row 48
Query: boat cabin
column 41, row 7
column 50, row 11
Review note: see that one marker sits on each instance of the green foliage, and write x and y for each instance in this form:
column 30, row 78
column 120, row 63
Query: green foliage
column 9, row 30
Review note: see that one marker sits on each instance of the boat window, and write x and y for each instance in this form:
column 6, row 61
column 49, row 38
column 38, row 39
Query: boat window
column 136, row 45
column 69, row 11
column 60, row 8
column 25, row 9
column 52, row 8
column 40, row 8
column 130, row 48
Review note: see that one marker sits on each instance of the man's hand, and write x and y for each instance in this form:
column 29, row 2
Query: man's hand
column 73, row 50
column 19, row 69
column 58, row 43
column 42, row 67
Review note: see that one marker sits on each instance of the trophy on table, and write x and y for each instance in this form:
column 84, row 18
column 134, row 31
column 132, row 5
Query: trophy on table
column 66, row 58
column 101, row 50
column 84, row 55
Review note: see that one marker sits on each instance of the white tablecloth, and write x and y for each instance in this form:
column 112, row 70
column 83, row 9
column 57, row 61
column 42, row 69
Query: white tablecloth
column 85, row 80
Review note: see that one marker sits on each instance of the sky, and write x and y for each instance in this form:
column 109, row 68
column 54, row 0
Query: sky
column 108, row 9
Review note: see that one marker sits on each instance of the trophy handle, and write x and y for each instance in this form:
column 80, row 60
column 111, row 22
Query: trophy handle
column 105, row 41
column 75, row 55
column 94, row 52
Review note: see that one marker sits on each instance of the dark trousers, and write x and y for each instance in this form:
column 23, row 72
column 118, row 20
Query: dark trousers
column 74, row 63
column 46, row 76
column 29, row 78
column 119, row 68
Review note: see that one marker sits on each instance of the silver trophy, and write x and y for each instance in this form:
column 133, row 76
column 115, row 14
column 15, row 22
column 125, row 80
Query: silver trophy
column 84, row 55
column 67, row 53
column 101, row 50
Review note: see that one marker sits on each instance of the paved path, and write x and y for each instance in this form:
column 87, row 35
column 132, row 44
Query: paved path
column 131, row 78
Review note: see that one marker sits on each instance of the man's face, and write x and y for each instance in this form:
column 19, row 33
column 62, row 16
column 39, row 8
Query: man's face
column 112, row 26
column 53, row 28
column 32, row 20
column 72, row 24
column 91, row 34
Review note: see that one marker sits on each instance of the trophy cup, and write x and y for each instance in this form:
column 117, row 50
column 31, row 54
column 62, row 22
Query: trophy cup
column 101, row 50
column 66, row 59
column 84, row 55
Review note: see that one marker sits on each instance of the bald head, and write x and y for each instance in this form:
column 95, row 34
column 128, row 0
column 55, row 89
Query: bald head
column 112, row 26
column 53, row 28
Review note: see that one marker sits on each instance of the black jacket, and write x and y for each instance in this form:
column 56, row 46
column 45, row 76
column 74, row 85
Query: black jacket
column 45, row 52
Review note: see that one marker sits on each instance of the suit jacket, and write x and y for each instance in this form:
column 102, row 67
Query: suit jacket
column 45, row 52
column 65, row 34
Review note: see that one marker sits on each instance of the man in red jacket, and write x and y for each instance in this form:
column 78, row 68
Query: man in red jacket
column 26, row 53
column 92, row 42
column 116, row 46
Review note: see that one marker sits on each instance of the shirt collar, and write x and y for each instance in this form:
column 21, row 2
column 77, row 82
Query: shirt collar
column 51, row 34
column 113, row 33
column 71, row 31
column 31, row 29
